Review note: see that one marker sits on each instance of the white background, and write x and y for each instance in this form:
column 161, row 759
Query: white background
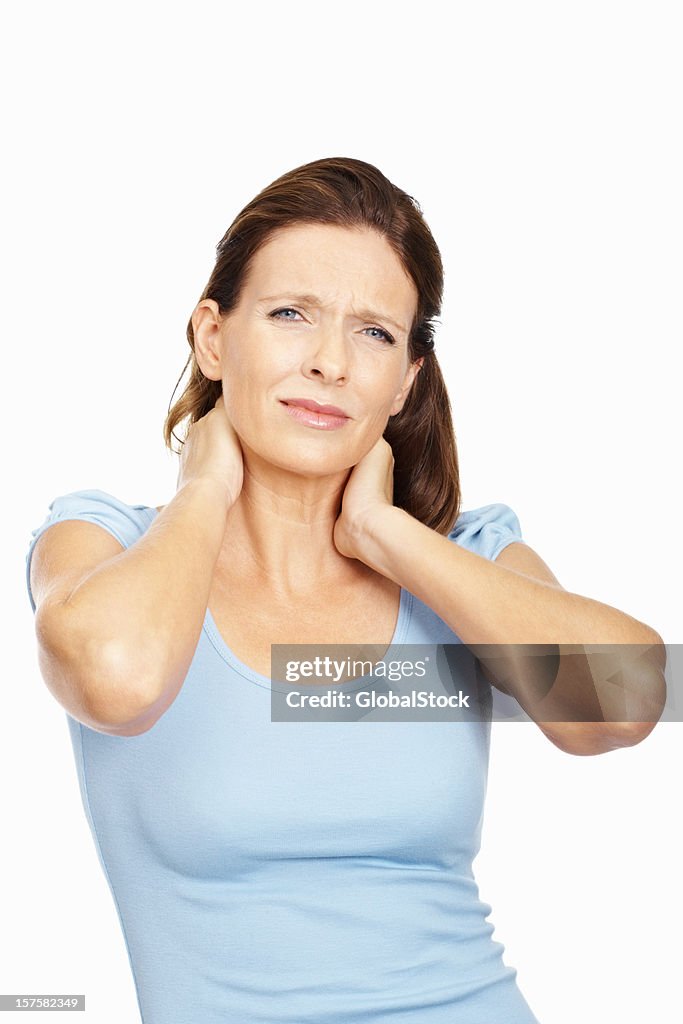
column 543, row 142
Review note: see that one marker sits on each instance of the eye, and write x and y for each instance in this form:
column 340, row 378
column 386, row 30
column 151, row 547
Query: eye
column 286, row 309
column 387, row 336
column 275, row 315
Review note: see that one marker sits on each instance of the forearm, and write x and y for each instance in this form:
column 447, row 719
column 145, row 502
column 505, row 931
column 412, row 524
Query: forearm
column 489, row 606
column 140, row 614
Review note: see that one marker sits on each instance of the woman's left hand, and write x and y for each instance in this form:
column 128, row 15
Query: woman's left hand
column 369, row 489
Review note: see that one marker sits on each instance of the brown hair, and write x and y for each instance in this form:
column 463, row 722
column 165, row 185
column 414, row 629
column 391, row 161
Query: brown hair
column 353, row 194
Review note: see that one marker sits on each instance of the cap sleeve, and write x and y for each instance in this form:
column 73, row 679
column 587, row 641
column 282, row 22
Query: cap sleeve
column 486, row 530
column 124, row 522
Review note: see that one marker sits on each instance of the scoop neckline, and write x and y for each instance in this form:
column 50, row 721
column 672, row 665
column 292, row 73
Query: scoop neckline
column 213, row 634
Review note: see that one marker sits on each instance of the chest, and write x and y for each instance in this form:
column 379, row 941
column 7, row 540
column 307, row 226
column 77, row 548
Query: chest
column 216, row 788
column 250, row 619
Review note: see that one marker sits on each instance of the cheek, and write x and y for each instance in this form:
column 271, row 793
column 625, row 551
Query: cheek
column 385, row 397
column 261, row 365
column 248, row 374
column 378, row 384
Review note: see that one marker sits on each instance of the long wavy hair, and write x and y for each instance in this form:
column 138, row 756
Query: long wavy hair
column 353, row 194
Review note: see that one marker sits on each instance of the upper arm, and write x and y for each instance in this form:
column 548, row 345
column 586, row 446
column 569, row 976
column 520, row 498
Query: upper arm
column 519, row 556
column 64, row 554
column 522, row 558
column 495, row 533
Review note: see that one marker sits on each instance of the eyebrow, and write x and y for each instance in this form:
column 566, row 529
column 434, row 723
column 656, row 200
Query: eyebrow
column 313, row 300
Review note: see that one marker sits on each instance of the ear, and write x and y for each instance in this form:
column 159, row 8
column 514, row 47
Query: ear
column 206, row 327
column 411, row 374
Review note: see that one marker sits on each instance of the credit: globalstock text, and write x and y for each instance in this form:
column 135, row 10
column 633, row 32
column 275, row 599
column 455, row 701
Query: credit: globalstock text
column 370, row 699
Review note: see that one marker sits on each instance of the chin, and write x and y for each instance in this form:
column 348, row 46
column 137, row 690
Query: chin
column 310, row 460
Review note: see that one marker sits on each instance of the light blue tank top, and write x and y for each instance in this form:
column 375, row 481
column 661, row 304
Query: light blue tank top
column 296, row 872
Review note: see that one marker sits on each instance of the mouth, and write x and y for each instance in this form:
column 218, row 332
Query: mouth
column 312, row 414
column 310, row 403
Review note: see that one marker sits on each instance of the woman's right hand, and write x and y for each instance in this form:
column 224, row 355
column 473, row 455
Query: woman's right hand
column 212, row 449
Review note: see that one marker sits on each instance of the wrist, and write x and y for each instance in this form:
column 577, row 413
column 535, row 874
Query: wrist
column 374, row 534
column 214, row 487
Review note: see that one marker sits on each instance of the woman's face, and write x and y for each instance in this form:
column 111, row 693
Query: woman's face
column 325, row 313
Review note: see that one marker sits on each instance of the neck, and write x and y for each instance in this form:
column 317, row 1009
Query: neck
column 280, row 530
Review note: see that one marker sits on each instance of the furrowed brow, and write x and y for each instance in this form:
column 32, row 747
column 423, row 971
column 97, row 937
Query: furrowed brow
column 313, row 300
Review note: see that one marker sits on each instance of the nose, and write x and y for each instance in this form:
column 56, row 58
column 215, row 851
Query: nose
column 328, row 356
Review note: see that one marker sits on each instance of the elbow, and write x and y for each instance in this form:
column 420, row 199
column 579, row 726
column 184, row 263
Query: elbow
column 119, row 700
column 645, row 685
column 115, row 709
column 586, row 739
column 582, row 739
column 629, row 734
column 637, row 694
column 93, row 681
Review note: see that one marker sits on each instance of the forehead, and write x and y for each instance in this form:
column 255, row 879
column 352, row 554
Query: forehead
column 335, row 263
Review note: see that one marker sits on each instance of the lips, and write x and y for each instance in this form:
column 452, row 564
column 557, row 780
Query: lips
column 309, row 403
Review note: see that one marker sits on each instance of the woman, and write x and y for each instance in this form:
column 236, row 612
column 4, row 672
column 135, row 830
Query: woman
column 298, row 872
